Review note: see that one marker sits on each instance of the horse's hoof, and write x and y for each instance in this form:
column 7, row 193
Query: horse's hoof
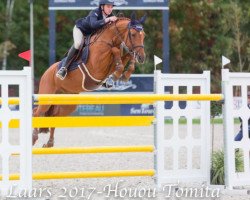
column 124, row 78
column 34, row 138
column 49, row 144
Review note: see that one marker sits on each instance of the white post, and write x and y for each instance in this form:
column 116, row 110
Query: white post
column 159, row 128
column 26, row 92
column 228, row 124
column 24, row 114
column 207, row 125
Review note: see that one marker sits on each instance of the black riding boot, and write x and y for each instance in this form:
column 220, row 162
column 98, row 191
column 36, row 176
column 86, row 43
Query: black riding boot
column 63, row 70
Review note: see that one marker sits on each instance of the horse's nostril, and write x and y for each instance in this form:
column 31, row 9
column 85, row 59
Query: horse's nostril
column 141, row 59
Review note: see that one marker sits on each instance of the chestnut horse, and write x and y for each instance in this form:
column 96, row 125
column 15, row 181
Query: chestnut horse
column 104, row 59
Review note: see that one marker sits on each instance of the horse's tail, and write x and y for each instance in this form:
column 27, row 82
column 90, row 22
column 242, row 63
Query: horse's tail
column 47, row 114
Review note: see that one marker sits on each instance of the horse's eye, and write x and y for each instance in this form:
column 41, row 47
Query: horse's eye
column 133, row 34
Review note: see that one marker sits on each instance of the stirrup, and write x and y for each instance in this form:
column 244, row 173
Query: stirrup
column 62, row 73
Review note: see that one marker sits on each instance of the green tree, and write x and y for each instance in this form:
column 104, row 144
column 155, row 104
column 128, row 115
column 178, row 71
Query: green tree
column 7, row 45
column 236, row 23
column 196, row 38
column 202, row 31
column 19, row 34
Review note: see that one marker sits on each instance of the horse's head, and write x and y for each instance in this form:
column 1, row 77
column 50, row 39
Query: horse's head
column 134, row 42
column 136, row 37
column 129, row 35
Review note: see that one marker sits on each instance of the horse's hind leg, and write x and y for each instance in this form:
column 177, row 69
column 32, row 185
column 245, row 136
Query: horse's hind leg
column 34, row 136
column 37, row 112
column 35, row 131
column 50, row 142
column 47, row 86
column 60, row 110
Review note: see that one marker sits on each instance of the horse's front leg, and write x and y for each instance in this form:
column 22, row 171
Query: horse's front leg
column 119, row 67
column 131, row 68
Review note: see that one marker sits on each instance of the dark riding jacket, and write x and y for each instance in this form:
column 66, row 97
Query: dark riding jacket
column 92, row 22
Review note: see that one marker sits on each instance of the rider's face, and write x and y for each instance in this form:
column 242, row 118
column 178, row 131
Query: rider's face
column 107, row 9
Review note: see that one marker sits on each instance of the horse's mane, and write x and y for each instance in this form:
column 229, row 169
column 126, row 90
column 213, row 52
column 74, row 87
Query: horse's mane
column 107, row 26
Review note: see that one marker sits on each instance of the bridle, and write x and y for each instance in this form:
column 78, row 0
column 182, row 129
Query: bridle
column 123, row 45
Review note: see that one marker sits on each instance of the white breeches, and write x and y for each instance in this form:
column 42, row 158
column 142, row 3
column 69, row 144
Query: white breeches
column 78, row 37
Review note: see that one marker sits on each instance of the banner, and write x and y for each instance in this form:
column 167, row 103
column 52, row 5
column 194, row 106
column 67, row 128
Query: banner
column 120, row 4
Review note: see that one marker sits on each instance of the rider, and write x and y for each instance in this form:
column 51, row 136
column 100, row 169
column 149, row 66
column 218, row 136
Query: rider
column 96, row 19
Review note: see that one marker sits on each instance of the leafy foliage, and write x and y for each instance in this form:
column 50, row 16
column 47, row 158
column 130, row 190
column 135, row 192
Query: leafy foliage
column 202, row 31
column 216, row 108
column 217, row 170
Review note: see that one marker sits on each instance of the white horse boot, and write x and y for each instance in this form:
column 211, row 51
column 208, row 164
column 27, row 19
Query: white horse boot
column 109, row 83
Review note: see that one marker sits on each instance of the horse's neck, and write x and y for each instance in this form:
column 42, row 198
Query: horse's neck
column 114, row 34
column 101, row 61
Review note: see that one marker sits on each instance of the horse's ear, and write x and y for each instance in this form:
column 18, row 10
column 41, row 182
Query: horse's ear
column 133, row 16
column 143, row 19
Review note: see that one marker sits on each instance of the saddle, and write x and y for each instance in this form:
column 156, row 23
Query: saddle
column 80, row 57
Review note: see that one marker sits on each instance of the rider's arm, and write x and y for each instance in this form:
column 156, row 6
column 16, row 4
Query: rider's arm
column 95, row 23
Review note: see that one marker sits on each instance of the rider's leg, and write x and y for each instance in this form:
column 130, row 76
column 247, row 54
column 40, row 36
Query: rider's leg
column 78, row 38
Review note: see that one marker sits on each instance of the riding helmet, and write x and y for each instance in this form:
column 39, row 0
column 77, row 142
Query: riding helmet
column 106, row 2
